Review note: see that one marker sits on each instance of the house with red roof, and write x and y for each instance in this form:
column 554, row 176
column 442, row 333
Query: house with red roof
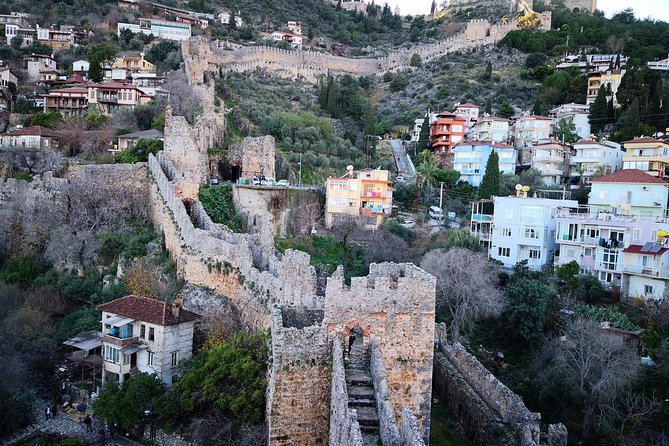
column 145, row 335
column 72, row 101
column 648, row 154
column 34, row 137
column 111, row 96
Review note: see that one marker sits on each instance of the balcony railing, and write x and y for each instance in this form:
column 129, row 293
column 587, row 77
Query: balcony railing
column 662, row 273
column 482, row 217
column 483, row 235
column 585, row 212
column 109, row 339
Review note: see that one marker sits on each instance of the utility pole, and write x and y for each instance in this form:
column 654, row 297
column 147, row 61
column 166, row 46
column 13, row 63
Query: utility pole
column 299, row 181
column 441, row 195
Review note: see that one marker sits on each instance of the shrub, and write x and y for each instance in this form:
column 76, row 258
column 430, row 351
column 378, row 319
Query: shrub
column 217, row 202
column 21, row 270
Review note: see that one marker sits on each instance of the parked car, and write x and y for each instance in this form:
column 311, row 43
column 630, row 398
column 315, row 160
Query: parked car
column 408, row 223
column 400, row 179
column 267, row 181
column 213, row 181
column 256, row 181
column 436, row 213
column 282, row 183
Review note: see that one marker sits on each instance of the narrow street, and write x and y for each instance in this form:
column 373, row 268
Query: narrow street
column 402, row 160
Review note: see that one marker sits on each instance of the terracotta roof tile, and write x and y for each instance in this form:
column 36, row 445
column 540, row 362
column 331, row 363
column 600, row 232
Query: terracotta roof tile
column 34, row 130
column 643, row 140
column 629, row 176
column 146, row 309
column 636, row 249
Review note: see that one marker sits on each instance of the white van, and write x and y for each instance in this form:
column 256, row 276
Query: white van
column 436, row 213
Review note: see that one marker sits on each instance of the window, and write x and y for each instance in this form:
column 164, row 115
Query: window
column 111, row 354
column 592, row 232
column 531, row 233
column 506, row 232
column 648, row 289
column 644, row 261
column 535, row 254
column 175, row 358
column 636, row 235
column 126, row 359
column 605, row 277
column 152, row 334
column 609, row 259
column 530, row 214
column 588, row 252
column 142, row 331
column 504, row 252
column 338, row 185
column 150, row 358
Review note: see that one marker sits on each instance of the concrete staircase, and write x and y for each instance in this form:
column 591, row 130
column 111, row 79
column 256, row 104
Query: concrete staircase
column 361, row 395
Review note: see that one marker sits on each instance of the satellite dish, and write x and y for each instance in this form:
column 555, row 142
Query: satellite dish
column 526, row 188
column 519, row 187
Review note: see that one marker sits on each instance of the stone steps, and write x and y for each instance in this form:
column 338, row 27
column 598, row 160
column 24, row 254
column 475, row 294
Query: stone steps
column 360, row 388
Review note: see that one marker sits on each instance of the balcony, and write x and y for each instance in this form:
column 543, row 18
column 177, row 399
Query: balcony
column 585, row 212
column 375, row 195
column 482, row 217
column 483, row 235
column 119, row 342
column 110, row 99
column 660, row 273
column 548, row 158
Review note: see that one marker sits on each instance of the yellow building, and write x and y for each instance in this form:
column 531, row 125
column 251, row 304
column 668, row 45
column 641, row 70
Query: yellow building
column 608, row 77
column 648, row 154
column 366, row 195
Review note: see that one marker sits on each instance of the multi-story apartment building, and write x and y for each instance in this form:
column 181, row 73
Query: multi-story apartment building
column 491, row 128
column 447, row 130
column 469, row 112
column 143, row 335
column 648, row 154
column 39, row 63
column 606, row 77
column 626, row 211
column 592, row 158
column 527, row 130
column 523, row 229
column 551, row 158
column 163, row 29
column 577, row 113
column 660, row 64
column 470, row 159
column 67, row 101
column 112, row 96
column 366, row 195
column 58, row 39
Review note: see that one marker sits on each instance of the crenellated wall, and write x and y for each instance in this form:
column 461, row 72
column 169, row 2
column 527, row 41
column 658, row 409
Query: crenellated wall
column 344, row 426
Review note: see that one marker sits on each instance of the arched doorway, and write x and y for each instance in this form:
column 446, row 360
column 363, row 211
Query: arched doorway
column 356, row 348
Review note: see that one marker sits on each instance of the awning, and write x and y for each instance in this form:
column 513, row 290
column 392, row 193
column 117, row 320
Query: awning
column 129, row 350
column 118, row 321
column 86, row 341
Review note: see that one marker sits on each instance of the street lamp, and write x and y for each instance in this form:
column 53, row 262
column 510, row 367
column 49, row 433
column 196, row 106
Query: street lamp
column 152, row 431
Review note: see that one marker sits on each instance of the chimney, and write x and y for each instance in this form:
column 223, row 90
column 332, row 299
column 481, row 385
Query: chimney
column 176, row 306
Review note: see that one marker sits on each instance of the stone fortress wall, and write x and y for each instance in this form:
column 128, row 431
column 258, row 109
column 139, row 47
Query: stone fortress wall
column 312, row 66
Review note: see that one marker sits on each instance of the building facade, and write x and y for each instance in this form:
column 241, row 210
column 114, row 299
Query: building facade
column 366, row 195
column 469, row 112
column 37, row 64
column 592, row 158
column 491, row 128
column 523, row 229
column 471, row 158
column 609, row 78
column 447, row 130
column 67, row 101
column 579, row 114
column 111, row 96
column 552, row 159
column 648, row 154
column 7, row 77
column 162, row 29
column 527, row 130
column 35, row 137
column 143, row 335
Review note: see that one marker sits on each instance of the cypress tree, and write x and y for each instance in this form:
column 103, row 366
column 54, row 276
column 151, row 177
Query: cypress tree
column 488, row 106
column 332, row 98
column 424, row 137
column 506, row 109
column 490, row 183
column 599, row 111
column 632, row 123
column 95, row 72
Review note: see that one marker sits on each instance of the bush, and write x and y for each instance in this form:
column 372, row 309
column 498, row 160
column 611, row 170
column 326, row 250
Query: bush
column 21, row 270
column 217, row 202
column 399, row 83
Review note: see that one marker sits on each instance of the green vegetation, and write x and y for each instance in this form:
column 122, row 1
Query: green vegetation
column 217, row 202
column 443, row 429
column 326, row 254
column 140, row 151
column 490, row 183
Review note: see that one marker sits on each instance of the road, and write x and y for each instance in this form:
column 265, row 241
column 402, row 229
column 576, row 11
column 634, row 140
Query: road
column 402, row 160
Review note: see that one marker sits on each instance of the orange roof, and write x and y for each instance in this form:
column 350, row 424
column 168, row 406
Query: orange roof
column 629, row 176
column 467, row 105
column 34, row 130
column 644, row 139
column 147, row 310
column 586, row 142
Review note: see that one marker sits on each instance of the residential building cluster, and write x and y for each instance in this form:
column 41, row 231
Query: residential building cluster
column 621, row 236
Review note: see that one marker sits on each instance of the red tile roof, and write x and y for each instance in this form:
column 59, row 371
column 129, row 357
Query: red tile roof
column 644, row 140
column 467, row 105
column 636, row 249
column 585, row 142
column 34, row 130
column 146, row 309
column 629, row 176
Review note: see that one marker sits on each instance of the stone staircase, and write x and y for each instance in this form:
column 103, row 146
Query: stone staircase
column 361, row 395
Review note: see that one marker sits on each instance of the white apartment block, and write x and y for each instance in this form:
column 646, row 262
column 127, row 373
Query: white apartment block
column 491, row 128
column 143, row 335
column 162, row 29
column 593, row 158
column 524, row 229
column 579, row 114
column 621, row 236
column 469, row 112
column 551, row 158
column 527, row 130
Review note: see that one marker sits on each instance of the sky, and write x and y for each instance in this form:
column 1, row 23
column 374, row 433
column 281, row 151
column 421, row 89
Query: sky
column 657, row 9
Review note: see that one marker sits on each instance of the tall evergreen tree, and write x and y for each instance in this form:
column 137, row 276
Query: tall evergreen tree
column 95, row 72
column 488, row 106
column 631, row 123
column 424, row 136
column 332, row 98
column 490, row 182
column 232, row 23
column 487, row 74
column 599, row 112
column 506, row 109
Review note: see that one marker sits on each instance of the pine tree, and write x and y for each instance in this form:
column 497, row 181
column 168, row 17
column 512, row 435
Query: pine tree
column 565, row 130
column 632, row 123
column 506, row 109
column 95, row 72
column 490, row 182
column 599, row 112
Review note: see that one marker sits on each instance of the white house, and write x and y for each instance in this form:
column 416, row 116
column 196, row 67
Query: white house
column 527, row 130
column 39, row 63
column 163, row 29
column 469, row 112
column 417, row 126
column 293, row 39
column 144, row 335
column 662, row 64
column 596, row 158
column 295, row 27
column 80, row 66
column 491, row 128
column 470, row 159
column 524, row 229
column 552, row 159
column 578, row 114
column 224, row 17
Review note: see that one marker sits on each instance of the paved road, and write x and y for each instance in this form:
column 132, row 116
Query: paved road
column 402, row 160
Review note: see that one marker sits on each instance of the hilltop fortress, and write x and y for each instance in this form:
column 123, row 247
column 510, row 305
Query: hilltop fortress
column 202, row 55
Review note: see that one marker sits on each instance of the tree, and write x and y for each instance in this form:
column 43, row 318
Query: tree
column 104, row 53
column 462, row 238
column 416, row 60
column 506, row 110
column 631, row 123
column 589, row 370
column 232, row 23
column 414, row 34
column 599, row 111
column 487, row 73
column 488, row 106
column 424, row 135
column 565, row 130
column 95, row 71
column 125, row 404
column 490, row 182
column 466, row 287
column 398, row 83
column 527, row 311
